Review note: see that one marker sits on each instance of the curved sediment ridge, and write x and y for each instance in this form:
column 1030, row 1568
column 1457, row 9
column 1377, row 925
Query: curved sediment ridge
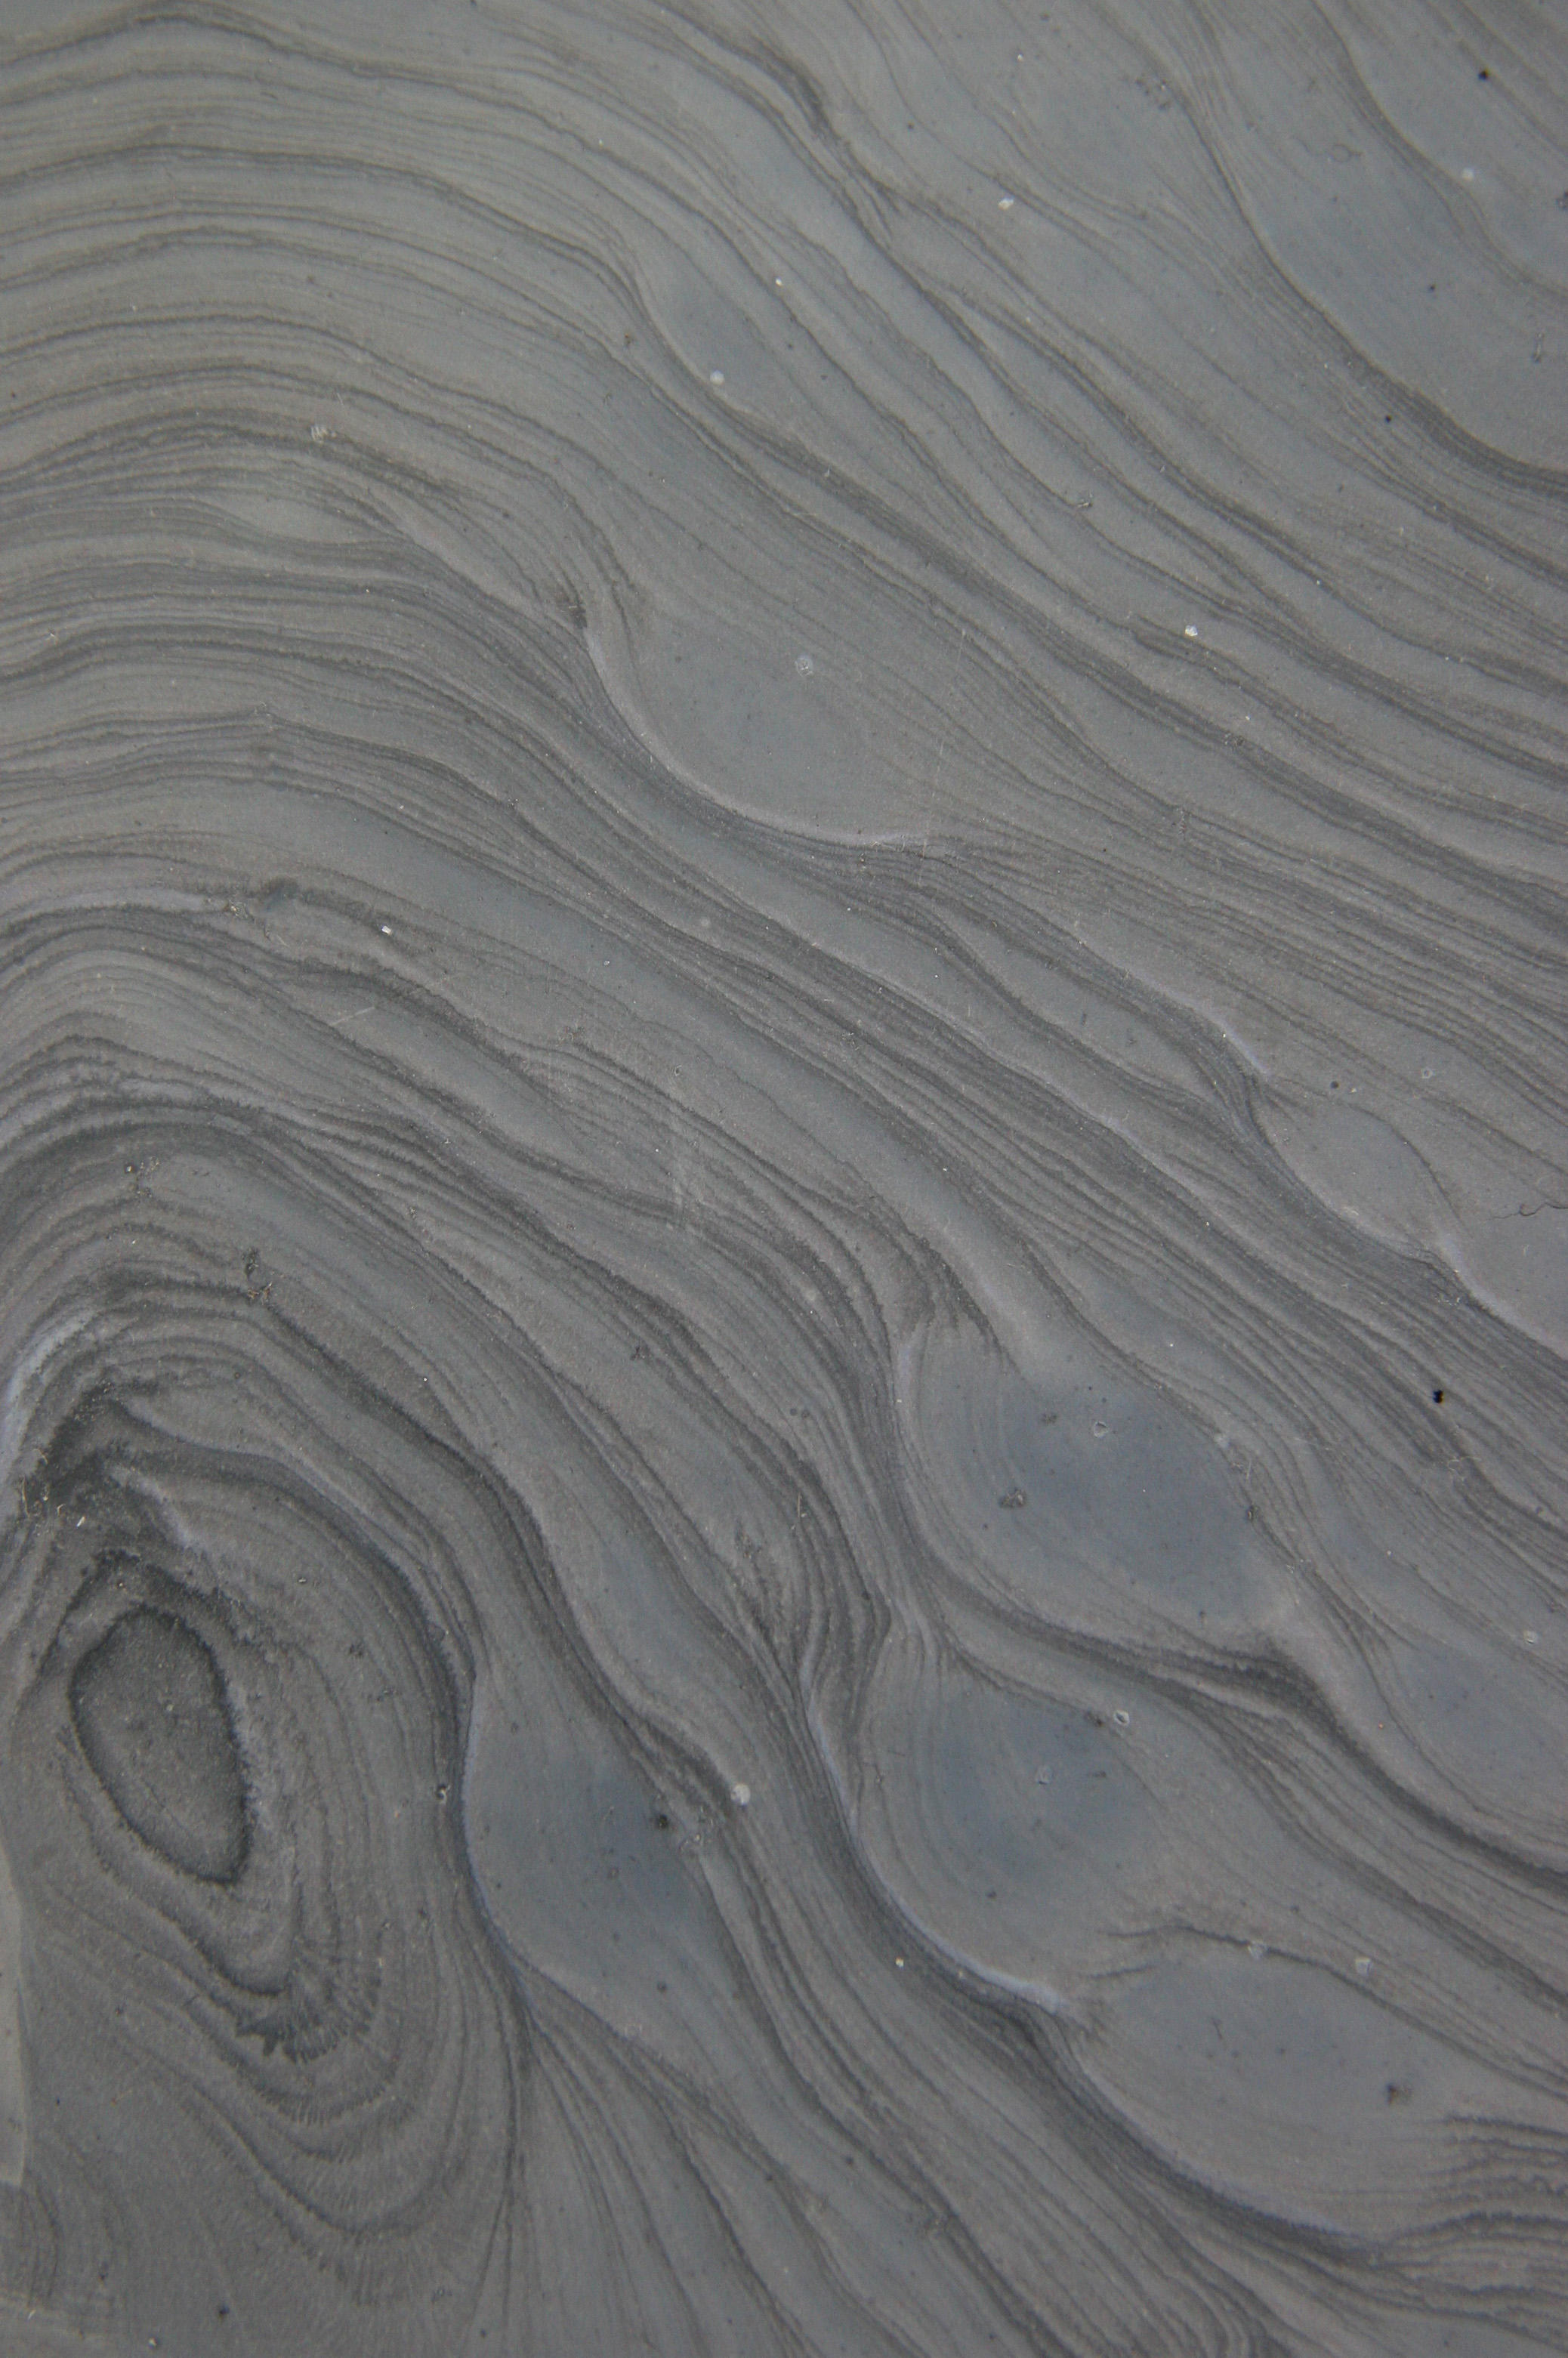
column 782, row 1198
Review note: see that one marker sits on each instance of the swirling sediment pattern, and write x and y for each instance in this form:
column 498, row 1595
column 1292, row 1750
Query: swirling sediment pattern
column 784, row 1243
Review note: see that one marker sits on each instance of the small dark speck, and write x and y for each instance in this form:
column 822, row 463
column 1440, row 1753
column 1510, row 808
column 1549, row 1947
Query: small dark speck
column 1013, row 1499
column 662, row 1822
column 1438, row 1396
column 1395, row 2092
column 1483, row 75
column 1562, row 207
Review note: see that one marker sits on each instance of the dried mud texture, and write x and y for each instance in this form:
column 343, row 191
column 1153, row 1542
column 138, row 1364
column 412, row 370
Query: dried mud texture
column 784, row 1243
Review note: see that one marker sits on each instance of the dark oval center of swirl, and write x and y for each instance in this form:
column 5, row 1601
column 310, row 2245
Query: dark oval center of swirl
column 153, row 1718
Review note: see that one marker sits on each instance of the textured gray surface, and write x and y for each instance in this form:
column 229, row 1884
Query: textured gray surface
column 784, row 1240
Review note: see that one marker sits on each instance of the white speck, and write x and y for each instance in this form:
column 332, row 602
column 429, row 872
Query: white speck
column 1468, row 173
column 1044, row 1777
column 321, row 434
column 1005, row 204
column 1257, row 1952
column 741, row 1795
column 1100, row 1430
column 1122, row 1718
column 804, row 664
column 898, row 1962
column 1532, row 1636
column 1191, row 632
column 386, row 929
column 715, row 376
column 778, row 282
column 1364, row 1968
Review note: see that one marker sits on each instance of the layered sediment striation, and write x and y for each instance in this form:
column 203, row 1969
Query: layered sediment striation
column 783, row 1238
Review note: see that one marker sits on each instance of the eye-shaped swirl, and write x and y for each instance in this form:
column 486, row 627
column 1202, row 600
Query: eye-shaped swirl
column 233, row 1801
